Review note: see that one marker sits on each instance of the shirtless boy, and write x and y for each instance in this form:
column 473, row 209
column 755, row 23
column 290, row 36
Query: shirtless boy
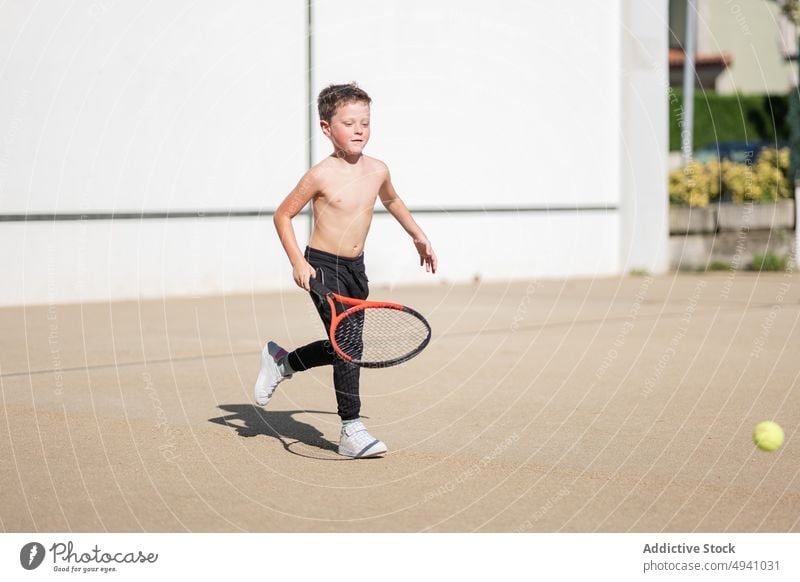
column 343, row 189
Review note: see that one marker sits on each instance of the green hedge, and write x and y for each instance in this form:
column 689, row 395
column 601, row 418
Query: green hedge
column 719, row 118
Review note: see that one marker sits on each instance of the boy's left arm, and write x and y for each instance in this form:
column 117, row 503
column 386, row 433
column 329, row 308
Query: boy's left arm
column 397, row 208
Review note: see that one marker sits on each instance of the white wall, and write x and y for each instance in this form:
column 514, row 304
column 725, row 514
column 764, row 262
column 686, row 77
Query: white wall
column 150, row 106
column 132, row 106
column 515, row 103
column 95, row 260
column 644, row 209
column 497, row 246
column 202, row 105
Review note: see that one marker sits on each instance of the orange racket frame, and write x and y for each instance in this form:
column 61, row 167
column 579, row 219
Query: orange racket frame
column 361, row 305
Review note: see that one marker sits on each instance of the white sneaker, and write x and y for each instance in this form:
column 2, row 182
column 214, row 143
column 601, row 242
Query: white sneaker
column 269, row 376
column 356, row 442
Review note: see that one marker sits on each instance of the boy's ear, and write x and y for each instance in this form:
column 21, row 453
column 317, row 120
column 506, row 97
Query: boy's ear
column 325, row 127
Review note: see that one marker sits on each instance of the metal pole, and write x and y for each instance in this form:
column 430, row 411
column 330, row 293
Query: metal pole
column 687, row 129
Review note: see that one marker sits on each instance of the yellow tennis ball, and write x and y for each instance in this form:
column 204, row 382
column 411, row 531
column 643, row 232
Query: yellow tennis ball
column 768, row 435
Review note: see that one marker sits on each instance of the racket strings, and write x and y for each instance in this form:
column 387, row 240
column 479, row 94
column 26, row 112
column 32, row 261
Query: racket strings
column 381, row 334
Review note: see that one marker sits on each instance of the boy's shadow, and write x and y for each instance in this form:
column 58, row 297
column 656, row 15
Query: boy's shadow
column 249, row 421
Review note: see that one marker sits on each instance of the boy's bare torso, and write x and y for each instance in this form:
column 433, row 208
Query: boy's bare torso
column 344, row 203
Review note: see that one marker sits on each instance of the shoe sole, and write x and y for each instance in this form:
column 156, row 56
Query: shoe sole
column 366, row 453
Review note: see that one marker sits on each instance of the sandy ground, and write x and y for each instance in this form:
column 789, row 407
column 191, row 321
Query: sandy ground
column 621, row 404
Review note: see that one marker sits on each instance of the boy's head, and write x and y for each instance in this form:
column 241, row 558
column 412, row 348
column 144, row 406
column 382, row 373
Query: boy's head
column 344, row 118
column 334, row 96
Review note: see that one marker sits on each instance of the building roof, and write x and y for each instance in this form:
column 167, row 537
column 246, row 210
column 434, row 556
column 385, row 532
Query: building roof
column 676, row 58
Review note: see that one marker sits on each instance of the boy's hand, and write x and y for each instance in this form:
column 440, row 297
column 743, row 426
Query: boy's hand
column 426, row 255
column 301, row 273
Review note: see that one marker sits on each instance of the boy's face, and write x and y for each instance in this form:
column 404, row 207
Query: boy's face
column 349, row 128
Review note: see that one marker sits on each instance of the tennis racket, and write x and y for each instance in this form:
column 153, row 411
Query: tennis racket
column 373, row 334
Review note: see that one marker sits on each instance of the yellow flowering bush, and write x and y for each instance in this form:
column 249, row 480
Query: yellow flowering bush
column 690, row 185
column 765, row 180
column 738, row 180
column 771, row 170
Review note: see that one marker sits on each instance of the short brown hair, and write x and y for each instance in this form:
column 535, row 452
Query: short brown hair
column 333, row 96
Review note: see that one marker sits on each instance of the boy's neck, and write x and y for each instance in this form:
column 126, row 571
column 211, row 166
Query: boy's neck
column 350, row 159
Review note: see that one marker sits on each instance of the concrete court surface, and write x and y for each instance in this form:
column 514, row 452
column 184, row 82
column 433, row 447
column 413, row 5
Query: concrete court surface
column 606, row 404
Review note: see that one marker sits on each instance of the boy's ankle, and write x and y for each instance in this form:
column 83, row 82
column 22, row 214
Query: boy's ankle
column 285, row 367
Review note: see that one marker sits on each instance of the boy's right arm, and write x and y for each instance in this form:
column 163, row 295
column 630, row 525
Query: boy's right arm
column 297, row 199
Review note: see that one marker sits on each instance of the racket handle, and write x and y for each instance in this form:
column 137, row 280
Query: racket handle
column 317, row 287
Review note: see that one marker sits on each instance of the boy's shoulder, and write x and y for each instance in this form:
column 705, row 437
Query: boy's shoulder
column 376, row 165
